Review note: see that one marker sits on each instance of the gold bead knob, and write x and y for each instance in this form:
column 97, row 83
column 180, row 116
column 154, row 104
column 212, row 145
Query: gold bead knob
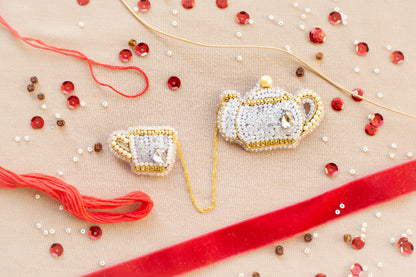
column 266, row 81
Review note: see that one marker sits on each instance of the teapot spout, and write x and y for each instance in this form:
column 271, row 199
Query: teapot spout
column 226, row 115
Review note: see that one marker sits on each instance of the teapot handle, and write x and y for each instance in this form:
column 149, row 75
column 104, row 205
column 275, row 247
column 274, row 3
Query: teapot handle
column 312, row 108
column 120, row 144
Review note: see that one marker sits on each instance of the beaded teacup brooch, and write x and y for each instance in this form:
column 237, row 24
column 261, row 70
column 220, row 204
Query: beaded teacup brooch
column 268, row 117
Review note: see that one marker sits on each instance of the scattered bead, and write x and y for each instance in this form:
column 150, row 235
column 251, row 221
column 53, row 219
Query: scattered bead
column 409, row 154
column 363, row 229
column 60, row 122
column 52, row 231
column 376, row 120
column 331, row 169
column 238, row 34
column 337, row 212
column 30, row 87
column 370, row 274
column 404, row 235
column 365, row 268
column 251, row 21
column 279, row 250
column 61, row 207
column 82, row 231
column 334, row 18
column 43, row 106
column 17, row 139
column 38, row 225
column 307, row 10
column 80, row 151
column 56, row 249
column 356, row 42
column 188, row 4
column 34, row 80
column 392, row 240
column 307, row 251
column 255, row 274
column 174, row 12
column 174, row 83
column 370, row 129
column 397, row 57
column 222, row 4
column 241, row 275
column 362, row 49
column 104, row 104
column 295, row 5
column 303, row 16
column 81, row 24
column 391, row 155
column 142, row 49
column 67, row 87
column 143, row 5
column 352, row 171
column 300, row 72
column 365, row 149
column 347, row 238
column 95, row 232
column 102, row 263
column 125, row 55
column 41, row 96
column 358, row 242
column 342, row 205
column 132, row 42
column 356, row 70
column 377, row 70
column 378, row 214
column 319, row 56
column 379, row 264
column 37, row 196
column 388, row 47
column 89, row 149
column 316, row 35
column 82, row 104
column 315, row 235
column 169, row 53
column 242, row 18
column 75, row 159
column 364, row 224
column 359, row 92
column 60, row 173
column 135, row 9
column 174, row 23
column 68, row 230
column 45, row 232
column 308, row 237
column 379, row 95
column 393, row 146
column 325, row 139
column 271, row 17
column 356, row 269
column 280, row 23
column 72, row 102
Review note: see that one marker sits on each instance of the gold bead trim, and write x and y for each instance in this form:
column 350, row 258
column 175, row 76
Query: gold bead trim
column 151, row 168
column 317, row 113
column 121, row 144
column 269, row 143
column 266, row 100
column 151, row 132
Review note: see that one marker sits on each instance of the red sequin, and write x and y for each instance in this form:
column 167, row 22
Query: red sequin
column 222, row 4
column 376, row 120
column 356, row 269
column 56, row 250
column 370, row 129
column 362, row 49
column 358, row 91
column 331, row 169
column 320, row 275
column 174, row 83
column 358, row 243
column 401, row 241
column 67, row 87
column 335, row 18
column 316, row 35
column 142, row 49
column 406, row 248
column 83, row 2
column 72, row 102
column 37, row 122
column 188, row 4
column 397, row 57
column 125, row 55
column 95, row 232
column 143, row 5
column 337, row 104
column 242, row 18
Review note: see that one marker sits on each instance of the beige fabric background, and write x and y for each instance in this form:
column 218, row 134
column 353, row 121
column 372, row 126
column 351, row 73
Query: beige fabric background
column 249, row 184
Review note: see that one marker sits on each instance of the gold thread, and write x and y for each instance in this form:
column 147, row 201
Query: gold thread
column 306, row 64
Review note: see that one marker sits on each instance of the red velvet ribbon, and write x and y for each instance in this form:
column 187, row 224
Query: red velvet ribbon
column 268, row 228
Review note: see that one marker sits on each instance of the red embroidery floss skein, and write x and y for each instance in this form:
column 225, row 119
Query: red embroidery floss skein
column 77, row 204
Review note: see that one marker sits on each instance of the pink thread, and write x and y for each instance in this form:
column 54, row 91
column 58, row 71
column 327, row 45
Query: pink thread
column 76, row 54
column 76, row 203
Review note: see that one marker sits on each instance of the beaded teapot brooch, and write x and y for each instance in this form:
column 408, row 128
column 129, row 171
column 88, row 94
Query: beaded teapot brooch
column 268, row 117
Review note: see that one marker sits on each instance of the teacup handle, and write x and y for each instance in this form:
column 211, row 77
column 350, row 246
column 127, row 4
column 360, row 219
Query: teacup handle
column 120, row 144
column 312, row 108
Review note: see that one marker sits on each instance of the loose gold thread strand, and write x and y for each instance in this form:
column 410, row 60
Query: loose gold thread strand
column 306, row 64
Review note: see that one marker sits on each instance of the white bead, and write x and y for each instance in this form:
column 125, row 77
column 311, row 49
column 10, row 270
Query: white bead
column 45, row 232
column 61, row 208
column 68, row 230
column 352, row 171
column 409, row 154
column 174, row 12
column 52, row 231
column 393, row 146
column 80, row 151
column 365, row 149
column 315, row 235
column 378, row 214
column 303, row 16
column 60, row 173
column 376, row 70
column 364, row 224
column 136, row 9
column 349, row 275
column 404, row 235
column 337, row 212
column 57, row 115
column 281, row 23
column 365, row 268
column 337, row 10
column 239, row 58
column 81, row 24
column 392, row 240
column 37, row 196
column 241, row 275
column 89, row 149
column 169, row 53
column 105, row 104
column 287, row 47
column 363, row 229
column 82, row 104
column 379, row 264
column 38, row 225
column 356, row 70
column 363, row 236
column 251, row 21
column 307, row 10
column 238, row 34
column 75, row 159
column 174, row 23
column 388, row 47
column 17, row 139
column 379, row 95
column 82, row 231
column 356, row 42
column 307, row 251
column 302, row 27
column 102, row 263
column 43, row 106
column 370, row 274
column 391, row 155
column 370, row 116
column 325, row 139
column 271, row 17
column 409, row 232
column 342, row 205
column 295, row 4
